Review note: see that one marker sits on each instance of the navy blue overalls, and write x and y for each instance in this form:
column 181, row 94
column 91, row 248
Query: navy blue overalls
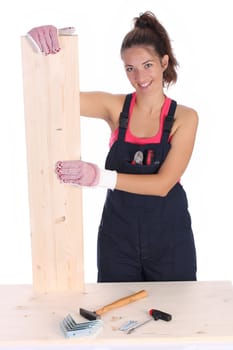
column 144, row 237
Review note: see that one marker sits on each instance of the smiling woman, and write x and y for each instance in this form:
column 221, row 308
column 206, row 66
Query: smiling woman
column 145, row 232
column 143, row 66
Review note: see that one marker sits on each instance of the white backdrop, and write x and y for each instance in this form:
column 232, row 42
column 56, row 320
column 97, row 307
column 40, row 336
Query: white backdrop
column 201, row 33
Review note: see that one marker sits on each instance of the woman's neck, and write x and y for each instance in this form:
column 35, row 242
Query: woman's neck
column 150, row 103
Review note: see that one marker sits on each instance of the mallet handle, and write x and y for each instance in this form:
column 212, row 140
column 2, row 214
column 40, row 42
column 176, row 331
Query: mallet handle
column 121, row 302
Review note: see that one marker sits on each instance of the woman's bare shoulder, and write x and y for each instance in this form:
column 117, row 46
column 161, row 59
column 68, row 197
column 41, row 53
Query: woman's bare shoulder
column 114, row 104
column 185, row 117
column 186, row 112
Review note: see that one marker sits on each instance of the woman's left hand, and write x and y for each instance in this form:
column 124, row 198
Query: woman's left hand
column 78, row 172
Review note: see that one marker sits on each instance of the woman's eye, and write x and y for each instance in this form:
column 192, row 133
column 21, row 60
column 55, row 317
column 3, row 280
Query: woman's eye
column 148, row 65
column 129, row 69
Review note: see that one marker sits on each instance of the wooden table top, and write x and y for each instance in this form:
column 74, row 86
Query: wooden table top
column 202, row 312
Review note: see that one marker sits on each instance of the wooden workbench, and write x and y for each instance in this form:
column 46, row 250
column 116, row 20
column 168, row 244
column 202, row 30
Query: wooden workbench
column 202, row 316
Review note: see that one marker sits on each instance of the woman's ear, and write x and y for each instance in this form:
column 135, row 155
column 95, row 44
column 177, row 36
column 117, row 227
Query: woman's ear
column 165, row 61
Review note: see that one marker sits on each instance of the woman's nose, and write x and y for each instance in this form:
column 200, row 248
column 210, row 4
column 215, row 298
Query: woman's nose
column 140, row 76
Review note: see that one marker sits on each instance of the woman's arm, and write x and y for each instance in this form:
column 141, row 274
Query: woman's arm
column 183, row 136
column 182, row 142
column 102, row 105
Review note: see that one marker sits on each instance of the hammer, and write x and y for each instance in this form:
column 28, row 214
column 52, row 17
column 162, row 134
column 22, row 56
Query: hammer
column 94, row 315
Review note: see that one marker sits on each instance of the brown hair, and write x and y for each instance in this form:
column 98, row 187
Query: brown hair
column 148, row 31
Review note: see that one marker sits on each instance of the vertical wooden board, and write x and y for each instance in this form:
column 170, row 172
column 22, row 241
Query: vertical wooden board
column 51, row 107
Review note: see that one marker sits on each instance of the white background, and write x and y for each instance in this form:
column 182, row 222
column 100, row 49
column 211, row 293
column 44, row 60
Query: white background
column 201, row 34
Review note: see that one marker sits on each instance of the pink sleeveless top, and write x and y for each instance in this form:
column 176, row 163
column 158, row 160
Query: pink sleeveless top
column 129, row 137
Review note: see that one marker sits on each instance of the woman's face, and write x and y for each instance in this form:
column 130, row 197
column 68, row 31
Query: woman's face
column 144, row 68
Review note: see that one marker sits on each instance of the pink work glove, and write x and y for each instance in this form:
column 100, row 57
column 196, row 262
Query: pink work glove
column 45, row 38
column 77, row 172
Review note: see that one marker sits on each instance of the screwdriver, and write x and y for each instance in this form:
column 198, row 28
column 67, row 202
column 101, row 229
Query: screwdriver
column 149, row 157
column 156, row 315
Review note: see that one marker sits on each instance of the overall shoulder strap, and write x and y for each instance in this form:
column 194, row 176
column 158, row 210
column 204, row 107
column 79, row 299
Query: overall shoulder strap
column 123, row 122
column 169, row 120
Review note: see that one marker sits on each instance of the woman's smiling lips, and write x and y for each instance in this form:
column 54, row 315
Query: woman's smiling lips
column 144, row 85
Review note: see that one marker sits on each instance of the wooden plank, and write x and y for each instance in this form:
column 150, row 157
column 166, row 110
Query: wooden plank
column 51, row 106
column 202, row 313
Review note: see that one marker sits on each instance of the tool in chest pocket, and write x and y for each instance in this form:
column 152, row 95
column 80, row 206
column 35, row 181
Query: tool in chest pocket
column 144, row 158
column 138, row 158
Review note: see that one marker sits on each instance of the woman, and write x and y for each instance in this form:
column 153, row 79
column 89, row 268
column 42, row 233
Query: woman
column 145, row 232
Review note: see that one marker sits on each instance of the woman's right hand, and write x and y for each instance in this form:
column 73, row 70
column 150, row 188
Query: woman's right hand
column 45, row 38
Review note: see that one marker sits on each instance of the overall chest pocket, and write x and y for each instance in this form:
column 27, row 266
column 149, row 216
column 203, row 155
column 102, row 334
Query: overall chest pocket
column 141, row 161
